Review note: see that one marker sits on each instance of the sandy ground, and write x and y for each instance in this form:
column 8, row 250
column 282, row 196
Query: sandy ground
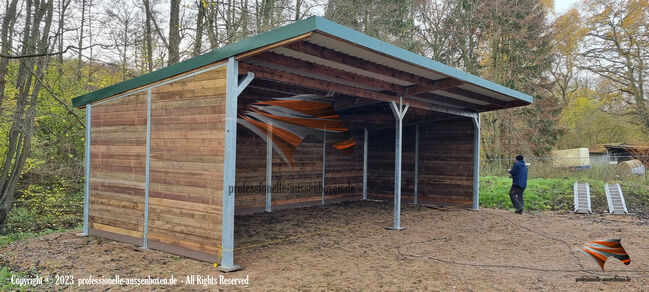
column 346, row 247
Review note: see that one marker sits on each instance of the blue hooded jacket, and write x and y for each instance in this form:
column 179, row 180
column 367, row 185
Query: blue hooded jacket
column 519, row 174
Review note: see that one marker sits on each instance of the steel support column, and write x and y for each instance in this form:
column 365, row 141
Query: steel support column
column 269, row 167
column 416, row 162
column 234, row 87
column 399, row 112
column 476, row 162
column 86, row 188
column 365, row 166
column 147, row 167
column 324, row 156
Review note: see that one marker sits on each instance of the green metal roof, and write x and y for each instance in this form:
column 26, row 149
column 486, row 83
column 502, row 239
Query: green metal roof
column 314, row 23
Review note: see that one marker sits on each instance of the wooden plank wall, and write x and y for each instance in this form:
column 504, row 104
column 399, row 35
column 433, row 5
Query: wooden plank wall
column 187, row 153
column 342, row 171
column 445, row 163
column 117, row 167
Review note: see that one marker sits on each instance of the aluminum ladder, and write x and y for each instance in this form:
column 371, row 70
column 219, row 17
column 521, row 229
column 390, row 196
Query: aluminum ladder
column 615, row 198
column 582, row 197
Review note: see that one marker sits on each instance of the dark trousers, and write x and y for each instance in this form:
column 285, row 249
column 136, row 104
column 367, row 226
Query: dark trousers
column 516, row 194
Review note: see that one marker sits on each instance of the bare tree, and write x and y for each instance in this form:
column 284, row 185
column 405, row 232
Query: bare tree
column 617, row 49
column 174, row 32
column 35, row 40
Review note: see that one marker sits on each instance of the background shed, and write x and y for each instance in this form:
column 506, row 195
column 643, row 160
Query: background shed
column 164, row 150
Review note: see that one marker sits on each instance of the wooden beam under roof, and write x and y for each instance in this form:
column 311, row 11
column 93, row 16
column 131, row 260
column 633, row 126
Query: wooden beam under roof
column 313, row 68
column 455, row 102
column 338, row 57
column 440, row 84
column 272, row 74
column 477, row 96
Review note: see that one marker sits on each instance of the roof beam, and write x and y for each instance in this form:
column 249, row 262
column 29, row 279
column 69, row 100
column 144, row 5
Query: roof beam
column 334, row 56
column 440, row 84
column 313, row 68
column 455, row 102
column 477, row 96
column 267, row 73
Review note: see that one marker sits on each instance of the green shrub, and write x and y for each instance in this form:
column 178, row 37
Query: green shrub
column 41, row 207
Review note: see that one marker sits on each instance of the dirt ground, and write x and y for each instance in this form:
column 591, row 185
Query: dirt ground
column 346, row 247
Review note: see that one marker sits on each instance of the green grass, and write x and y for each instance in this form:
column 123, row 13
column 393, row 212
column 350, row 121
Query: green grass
column 11, row 237
column 557, row 194
column 5, row 280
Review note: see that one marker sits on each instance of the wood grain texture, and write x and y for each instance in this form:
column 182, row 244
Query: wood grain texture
column 300, row 183
column 445, row 162
column 186, row 161
column 117, row 165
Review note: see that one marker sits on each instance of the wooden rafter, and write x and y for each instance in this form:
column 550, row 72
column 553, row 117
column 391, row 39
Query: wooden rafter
column 271, row 74
column 440, row 84
column 313, row 68
column 477, row 96
column 334, row 56
column 452, row 101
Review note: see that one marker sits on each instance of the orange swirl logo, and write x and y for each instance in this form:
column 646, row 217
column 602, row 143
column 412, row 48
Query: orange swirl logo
column 287, row 121
column 600, row 250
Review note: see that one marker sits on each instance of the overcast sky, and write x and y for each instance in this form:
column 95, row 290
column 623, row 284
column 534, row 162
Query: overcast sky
column 561, row 6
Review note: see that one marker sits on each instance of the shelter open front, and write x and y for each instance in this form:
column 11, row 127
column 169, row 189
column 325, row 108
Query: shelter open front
column 310, row 113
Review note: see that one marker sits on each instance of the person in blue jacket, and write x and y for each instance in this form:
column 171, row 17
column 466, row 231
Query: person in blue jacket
column 519, row 183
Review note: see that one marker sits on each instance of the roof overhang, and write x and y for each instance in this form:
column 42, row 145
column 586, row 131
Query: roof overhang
column 345, row 61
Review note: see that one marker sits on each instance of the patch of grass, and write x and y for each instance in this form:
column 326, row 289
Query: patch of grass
column 9, row 238
column 5, row 280
column 557, row 194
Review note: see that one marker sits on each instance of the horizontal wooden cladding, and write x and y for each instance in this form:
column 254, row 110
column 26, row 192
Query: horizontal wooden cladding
column 117, row 165
column 186, row 162
column 343, row 172
column 445, row 161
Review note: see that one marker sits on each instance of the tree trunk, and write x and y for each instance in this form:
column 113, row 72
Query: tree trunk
column 174, row 32
column 148, row 35
column 200, row 19
column 22, row 127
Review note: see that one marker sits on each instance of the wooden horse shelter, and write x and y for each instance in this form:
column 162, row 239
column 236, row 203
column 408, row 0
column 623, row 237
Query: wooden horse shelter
column 318, row 111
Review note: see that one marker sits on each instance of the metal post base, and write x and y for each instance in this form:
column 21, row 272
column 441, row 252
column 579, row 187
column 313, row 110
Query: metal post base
column 82, row 234
column 395, row 228
column 230, row 269
column 143, row 248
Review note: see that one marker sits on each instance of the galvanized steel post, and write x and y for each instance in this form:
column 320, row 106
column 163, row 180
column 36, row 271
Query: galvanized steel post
column 145, row 235
column 365, row 166
column 233, row 88
column 399, row 112
column 324, row 156
column 86, row 188
column 269, row 167
column 476, row 162
column 416, row 162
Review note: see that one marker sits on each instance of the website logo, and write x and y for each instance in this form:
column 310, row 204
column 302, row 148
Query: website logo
column 287, row 121
column 601, row 250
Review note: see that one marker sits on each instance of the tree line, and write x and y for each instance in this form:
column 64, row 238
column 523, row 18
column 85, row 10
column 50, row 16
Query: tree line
column 586, row 68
